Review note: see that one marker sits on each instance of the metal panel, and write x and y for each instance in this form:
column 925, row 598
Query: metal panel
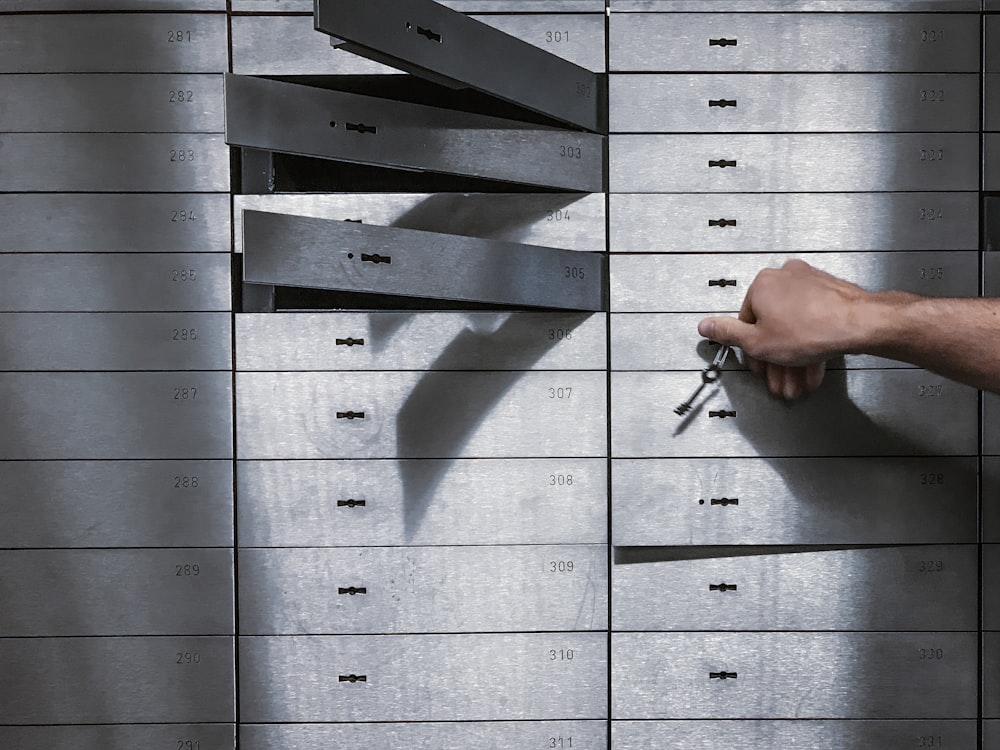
column 794, row 103
column 117, row 680
column 292, row 118
column 110, row 43
column 424, row 677
column 991, row 498
column 991, row 424
column 991, row 101
column 794, row 735
column 991, row 728
column 523, row 501
column 114, row 162
column 991, row 161
column 117, row 592
column 115, row 341
column 862, row 413
column 35, row 6
column 991, row 675
column 896, row 588
column 421, row 341
column 112, row 103
column 668, row 675
column 991, row 587
column 116, row 504
column 421, row 415
column 794, row 163
column 794, row 222
column 120, row 737
column 991, row 240
column 792, row 43
column 81, row 222
column 805, row 6
column 590, row 735
column 466, row 6
column 426, row 589
column 109, row 282
column 569, row 220
column 411, row 36
column 577, row 38
column 795, row 501
column 683, row 283
column 116, row 415
column 991, row 42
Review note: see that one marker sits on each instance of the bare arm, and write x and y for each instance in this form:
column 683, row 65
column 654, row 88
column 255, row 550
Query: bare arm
column 796, row 317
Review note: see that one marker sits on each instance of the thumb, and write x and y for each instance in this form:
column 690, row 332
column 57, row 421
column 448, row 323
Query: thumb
column 728, row 331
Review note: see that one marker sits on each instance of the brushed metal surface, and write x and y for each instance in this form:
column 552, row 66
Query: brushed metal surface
column 991, row 586
column 855, row 413
column 991, row 727
column 119, row 737
column 467, row 6
column 424, row 677
column 114, row 43
column 991, row 39
column 426, row 589
column 116, row 504
column 423, row 501
column 794, row 735
column 116, row 592
column 116, row 223
column 991, row 424
column 78, row 282
column 991, row 101
column 387, row 340
column 991, row 498
column 421, row 415
column 991, row 161
column 991, row 260
column 464, row 52
column 794, row 42
column 681, row 282
column 991, row 675
column 292, row 118
column 588, row 735
column 120, row 103
column 115, row 341
column 117, row 680
column 894, row 588
column 569, row 220
column 794, row 103
column 811, row 162
column 58, row 415
column 321, row 253
column 578, row 38
column 114, row 162
column 794, row 222
column 773, row 6
column 794, row 675
column 795, row 501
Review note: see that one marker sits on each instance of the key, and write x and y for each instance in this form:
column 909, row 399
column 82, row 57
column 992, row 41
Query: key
column 710, row 374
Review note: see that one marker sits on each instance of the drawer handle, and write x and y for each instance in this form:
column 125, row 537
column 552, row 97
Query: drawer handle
column 722, row 282
column 721, row 103
column 351, row 503
column 360, row 127
column 355, row 221
column 722, row 42
column 350, row 342
column 723, row 587
column 722, row 223
column 722, row 163
column 722, row 675
column 722, row 413
column 352, row 678
column 352, row 590
column 724, row 501
column 350, row 415
column 376, row 258
column 428, row 34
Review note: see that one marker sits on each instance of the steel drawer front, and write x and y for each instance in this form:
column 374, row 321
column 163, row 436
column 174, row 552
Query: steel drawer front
column 421, row 341
column 78, row 282
column 991, row 161
column 794, row 675
column 991, row 260
column 466, row 6
column 116, row 592
column 794, row 43
column 899, row 588
column 991, row 728
column 991, row 101
column 163, row 679
column 991, row 45
column 794, row 223
column 817, row 163
column 36, row 6
column 421, row 415
column 114, row 162
column 424, row 677
column 793, row 735
column 718, row 283
column 120, row 415
column 566, row 220
column 115, row 341
column 588, row 735
column 112, row 43
column 517, row 501
column 119, row 737
column 577, row 38
column 805, row 6
column 424, row 590
column 991, row 675
column 991, row 586
column 794, row 103
column 991, row 424
column 862, row 413
column 116, row 504
column 111, row 103
column 991, row 498
column 795, row 501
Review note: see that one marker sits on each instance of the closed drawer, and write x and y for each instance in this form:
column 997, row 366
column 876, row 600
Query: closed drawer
column 121, row 737
column 991, row 25
column 991, row 161
column 991, row 498
column 849, row 675
column 796, row 501
column 466, row 6
column 424, row 589
column 422, row 501
column 421, row 415
column 991, row 675
column 991, row 586
column 991, row 101
column 898, row 588
column 424, row 677
column 991, row 424
column 771, row 6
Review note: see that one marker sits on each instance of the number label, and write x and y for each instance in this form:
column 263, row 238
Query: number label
column 184, row 274
column 554, row 37
column 559, row 214
column 931, row 154
column 931, row 214
column 559, row 566
column 185, row 394
column 931, row 36
column 560, row 742
column 182, row 215
column 188, row 745
column 186, row 571
column 929, row 740
column 560, row 480
column 574, row 272
column 930, row 566
column 185, row 334
column 177, row 36
column 931, row 390
column 570, row 152
column 187, row 657
column 185, row 482
column 931, row 654
column 561, row 654
column 584, row 90
column 560, row 334
column 932, row 273
column 561, row 393
column 930, row 478
column 181, row 96
column 181, row 154
column 932, row 95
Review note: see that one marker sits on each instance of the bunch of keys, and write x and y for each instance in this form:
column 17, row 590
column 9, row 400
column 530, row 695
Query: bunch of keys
column 710, row 374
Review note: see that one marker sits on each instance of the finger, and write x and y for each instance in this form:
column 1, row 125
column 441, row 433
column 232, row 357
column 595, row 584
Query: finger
column 746, row 309
column 814, row 376
column 728, row 331
column 755, row 365
column 776, row 379
column 795, row 383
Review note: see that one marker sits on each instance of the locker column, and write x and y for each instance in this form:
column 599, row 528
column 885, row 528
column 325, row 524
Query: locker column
column 117, row 623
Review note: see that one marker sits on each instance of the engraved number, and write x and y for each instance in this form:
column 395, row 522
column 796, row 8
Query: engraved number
column 185, row 394
column 932, row 273
column 182, row 154
column 563, row 393
column 929, row 740
column 185, row 334
column 931, row 390
column 932, row 95
column 187, row 570
column 556, row 36
column 188, row 657
column 930, row 36
column 560, row 334
column 573, row 272
column 560, row 742
column 561, row 654
column 188, row 745
column 181, row 96
column 560, row 566
column 584, row 89
column 931, row 214
column 930, row 566
column 931, row 653
column 560, row 480
column 175, row 36
column 930, row 478
column 184, row 274
column 560, row 214
column 182, row 215
column 931, row 154
column 571, row 152
column 185, row 482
